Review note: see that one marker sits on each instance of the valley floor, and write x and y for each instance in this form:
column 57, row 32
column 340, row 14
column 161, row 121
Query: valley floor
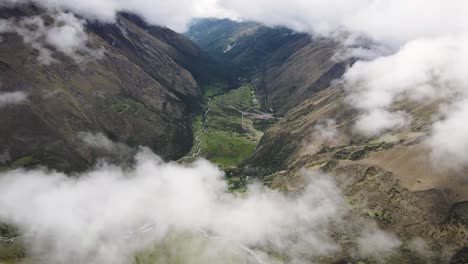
column 230, row 127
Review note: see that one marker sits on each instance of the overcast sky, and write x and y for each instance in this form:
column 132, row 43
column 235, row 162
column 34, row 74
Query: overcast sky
column 395, row 20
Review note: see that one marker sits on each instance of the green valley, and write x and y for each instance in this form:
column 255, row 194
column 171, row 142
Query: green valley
column 226, row 133
column 276, row 137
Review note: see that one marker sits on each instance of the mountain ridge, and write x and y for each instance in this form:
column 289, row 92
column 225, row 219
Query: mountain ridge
column 139, row 74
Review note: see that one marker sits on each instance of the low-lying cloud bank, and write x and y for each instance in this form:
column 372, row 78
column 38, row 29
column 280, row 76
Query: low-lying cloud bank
column 174, row 14
column 387, row 21
column 109, row 213
column 396, row 21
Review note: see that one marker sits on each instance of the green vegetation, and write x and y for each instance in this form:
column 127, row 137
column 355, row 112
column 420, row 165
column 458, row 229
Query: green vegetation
column 226, row 142
column 215, row 89
column 23, row 162
column 227, row 148
column 227, row 135
column 237, row 184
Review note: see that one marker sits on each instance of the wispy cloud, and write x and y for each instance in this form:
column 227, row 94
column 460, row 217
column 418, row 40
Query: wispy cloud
column 66, row 35
column 9, row 98
column 377, row 243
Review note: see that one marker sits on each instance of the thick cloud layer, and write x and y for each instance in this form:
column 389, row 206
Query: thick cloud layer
column 109, row 213
column 396, row 21
column 392, row 22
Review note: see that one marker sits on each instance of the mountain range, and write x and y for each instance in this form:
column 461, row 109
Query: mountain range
column 143, row 85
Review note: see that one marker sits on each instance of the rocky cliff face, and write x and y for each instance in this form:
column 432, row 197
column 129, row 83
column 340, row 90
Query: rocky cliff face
column 130, row 81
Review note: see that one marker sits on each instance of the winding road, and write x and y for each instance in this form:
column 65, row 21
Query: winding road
column 203, row 131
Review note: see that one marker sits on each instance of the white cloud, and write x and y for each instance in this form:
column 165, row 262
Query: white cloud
column 392, row 22
column 32, row 29
column 106, row 214
column 449, row 139
column 420, row 247
column 100, row 141
column 8, row 98
column 378, row 121
column 67, row 35
column 377, row 243
column 326, row 130
column 395, row 21
column 174, row 14
column 421, row 72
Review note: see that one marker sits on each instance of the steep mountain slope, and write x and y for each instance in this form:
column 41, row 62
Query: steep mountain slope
column 244, row 46
column 390, row 180
column 133, row 84
column 286, row 67
column 182, row 50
